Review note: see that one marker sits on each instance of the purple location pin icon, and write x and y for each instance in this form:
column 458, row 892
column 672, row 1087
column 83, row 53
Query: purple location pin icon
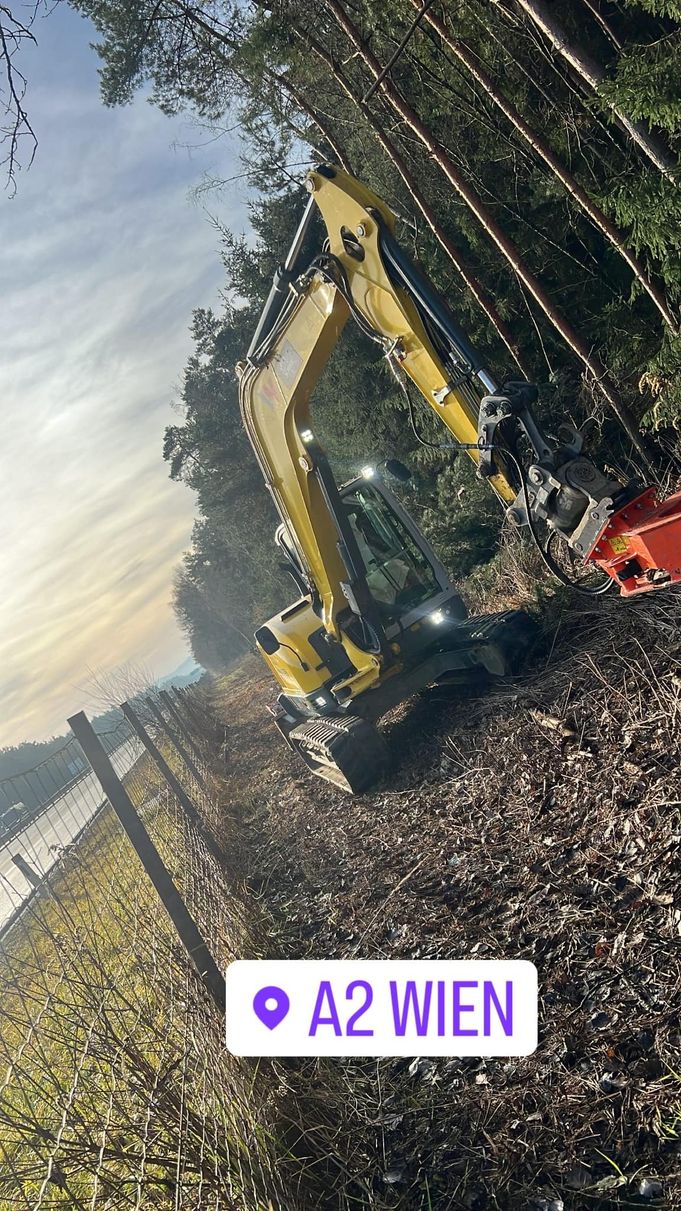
column 271, row 1005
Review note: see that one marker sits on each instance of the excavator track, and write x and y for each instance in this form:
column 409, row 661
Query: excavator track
column 351, row 752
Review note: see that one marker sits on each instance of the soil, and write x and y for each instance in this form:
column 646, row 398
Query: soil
column 539, row 820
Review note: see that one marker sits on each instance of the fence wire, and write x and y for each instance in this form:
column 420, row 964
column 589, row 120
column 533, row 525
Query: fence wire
column 115, row 1087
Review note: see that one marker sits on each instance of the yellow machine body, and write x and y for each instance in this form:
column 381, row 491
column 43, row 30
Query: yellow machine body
column 275, row 401
column 295, row 665
column 378, row 618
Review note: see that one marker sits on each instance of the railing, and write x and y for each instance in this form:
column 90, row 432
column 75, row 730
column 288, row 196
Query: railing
column 115, row 1088
column 39, row 845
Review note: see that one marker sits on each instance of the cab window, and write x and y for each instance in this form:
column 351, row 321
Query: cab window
column 398, row 573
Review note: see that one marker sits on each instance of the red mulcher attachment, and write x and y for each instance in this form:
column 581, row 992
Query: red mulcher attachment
column 640, row 547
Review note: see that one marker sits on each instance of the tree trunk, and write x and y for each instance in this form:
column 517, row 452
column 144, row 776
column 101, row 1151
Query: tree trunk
column 594, row 75
column 283, row 81
column 304, row 106
column 592, row 6
column 506, row 246
column 477, row 290
column 390, row 148
column 465, row 56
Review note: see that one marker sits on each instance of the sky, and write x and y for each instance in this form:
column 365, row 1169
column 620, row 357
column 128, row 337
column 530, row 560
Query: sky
column 103, row 257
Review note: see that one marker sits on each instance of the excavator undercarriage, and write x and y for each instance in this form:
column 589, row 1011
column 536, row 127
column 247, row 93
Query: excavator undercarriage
column 352, row 753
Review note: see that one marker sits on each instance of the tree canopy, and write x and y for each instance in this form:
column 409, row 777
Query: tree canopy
column 532, row 156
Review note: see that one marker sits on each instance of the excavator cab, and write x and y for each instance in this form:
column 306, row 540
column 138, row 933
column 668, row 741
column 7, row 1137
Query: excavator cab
column 424, row 627
column 400, row 571
column 399, row 575
column 405, row 578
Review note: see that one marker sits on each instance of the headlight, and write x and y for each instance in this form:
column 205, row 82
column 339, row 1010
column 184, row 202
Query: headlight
column 368, row 472
column 437, row 617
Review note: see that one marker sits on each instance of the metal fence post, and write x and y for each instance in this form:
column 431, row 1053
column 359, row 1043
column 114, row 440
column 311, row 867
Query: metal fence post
column 160, row 761
column 175, row 714
column 27, row 871
column 173, row 782
column 187, row 929
column 176, row 741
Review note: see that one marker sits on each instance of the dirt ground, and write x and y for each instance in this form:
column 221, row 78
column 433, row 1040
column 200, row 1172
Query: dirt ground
column 539, row 821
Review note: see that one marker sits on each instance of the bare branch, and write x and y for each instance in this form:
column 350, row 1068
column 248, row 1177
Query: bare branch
column 15, row 127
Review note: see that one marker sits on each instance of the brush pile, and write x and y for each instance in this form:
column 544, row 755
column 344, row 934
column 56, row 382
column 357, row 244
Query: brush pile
column 542, row 822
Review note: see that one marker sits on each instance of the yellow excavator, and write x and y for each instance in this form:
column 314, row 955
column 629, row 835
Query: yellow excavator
column 377, row 618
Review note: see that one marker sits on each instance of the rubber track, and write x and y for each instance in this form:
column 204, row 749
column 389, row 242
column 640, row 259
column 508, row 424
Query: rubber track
column 353, row 747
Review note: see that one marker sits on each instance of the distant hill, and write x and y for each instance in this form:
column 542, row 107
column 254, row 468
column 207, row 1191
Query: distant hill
column 18, row 782
column 184, row 674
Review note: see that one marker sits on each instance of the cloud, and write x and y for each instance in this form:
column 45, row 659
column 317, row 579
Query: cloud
column 104, row 260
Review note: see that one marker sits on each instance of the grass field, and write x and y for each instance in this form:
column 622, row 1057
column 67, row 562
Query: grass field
column 117, row 1090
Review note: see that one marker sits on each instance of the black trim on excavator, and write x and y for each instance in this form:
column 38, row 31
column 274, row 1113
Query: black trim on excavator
column 349, row 551
column 331, row 653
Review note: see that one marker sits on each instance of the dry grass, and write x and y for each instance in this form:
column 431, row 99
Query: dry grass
column 541, row 821
column 115, row 1087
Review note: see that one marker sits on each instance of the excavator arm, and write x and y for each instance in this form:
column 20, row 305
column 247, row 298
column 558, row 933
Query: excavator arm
column 362, row 272
column 300, row 327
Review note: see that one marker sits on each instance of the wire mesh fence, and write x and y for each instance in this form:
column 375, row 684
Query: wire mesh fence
column 115, row 1088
